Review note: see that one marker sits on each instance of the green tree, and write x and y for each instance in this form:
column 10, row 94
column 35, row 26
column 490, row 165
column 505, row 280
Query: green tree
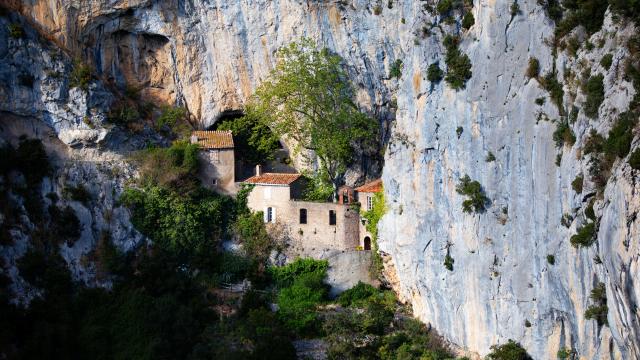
column 309, row 99
column 253, row 140
column 509, row 351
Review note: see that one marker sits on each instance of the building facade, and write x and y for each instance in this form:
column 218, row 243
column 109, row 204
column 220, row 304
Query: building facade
column 365, row 195
column 217, row 170
column 313, row 228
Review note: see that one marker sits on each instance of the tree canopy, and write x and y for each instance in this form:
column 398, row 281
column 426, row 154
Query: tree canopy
column 308, row 98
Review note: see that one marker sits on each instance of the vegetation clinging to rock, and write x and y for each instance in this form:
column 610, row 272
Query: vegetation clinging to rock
column 476, row 199
column 594, row 89
column 458, row 64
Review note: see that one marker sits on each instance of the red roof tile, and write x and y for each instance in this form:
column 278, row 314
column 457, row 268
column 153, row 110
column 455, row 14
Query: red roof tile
column 371, row 187
column 273, row 179
column 213, row 139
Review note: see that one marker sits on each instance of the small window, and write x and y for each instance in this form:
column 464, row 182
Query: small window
column 345, row 197
column 303, row 216
column 214, row 182
column 332, row 217
column 215, row 156
column 269, row 214
column 369, row 203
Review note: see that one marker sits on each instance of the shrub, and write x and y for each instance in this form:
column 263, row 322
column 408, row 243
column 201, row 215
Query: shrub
column 514, row 8
column 185, row 225
column 606, row 61
column 509, row 351
column 618, row 142
column 77, row 193
column 551, row 259
column 588, row 13
column 634, row 159
column 490, row 157
column 396, row 69
column 468, row 20
column 448, row 262
column 476, row 200
column 533, row 70
column 80, row 75
column 172, row 168
column 573, row 115
column 458, row 64
column 65, row 226
column 563, row 135
column 459, row 131
column 434, row 73
column 171, row 116
column 576, row 184
column 599, row 310
column 256, row 242
column 123, row 113
column 585, row 237
column 565, row 353
column 377, row 10
column 356, row 294
column 540, row 101
column 554, row 88
column 16, row 31
column 595, row 95
column 302, row 288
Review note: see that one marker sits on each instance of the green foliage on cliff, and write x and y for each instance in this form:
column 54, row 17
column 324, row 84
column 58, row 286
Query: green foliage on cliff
column 80, row 75
column 434, row 73
column 599, row 310
column 308, row 98
column 563, row 135
column 458, row 64
column 302, row 289
column 396, row 69
column 509, row 351
column 634, row 159
column 533, row 69
column 174, row 168
column 476, row 199
column 373, row 217
column 585, row 237
column 594, row 88
column 576, row 184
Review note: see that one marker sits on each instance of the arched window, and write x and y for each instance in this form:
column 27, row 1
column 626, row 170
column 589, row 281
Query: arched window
column 303, row 216
column 332, row 217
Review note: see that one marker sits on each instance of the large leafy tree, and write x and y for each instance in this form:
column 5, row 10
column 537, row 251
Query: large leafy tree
column 308, row 98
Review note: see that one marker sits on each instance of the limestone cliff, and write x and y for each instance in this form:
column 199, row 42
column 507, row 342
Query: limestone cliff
column 210, row 55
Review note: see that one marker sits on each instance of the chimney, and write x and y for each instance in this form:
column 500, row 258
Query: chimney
column 258, row 170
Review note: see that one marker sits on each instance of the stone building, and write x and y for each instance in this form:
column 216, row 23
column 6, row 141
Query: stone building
column 314, row 228
column 365, row 195
column 217, row 170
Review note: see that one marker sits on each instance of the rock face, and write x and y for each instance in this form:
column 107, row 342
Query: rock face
column 210, row 55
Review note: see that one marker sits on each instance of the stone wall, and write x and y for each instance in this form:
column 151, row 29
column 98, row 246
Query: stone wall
column 217, row 170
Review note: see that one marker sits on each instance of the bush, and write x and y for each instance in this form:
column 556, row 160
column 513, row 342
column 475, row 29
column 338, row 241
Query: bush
column 634, row 159
column 357, row 294
column 459, row 131
column 514, row 9
column 606, row 61
column 448, row 262
column 122, row 114
column 576, row 184
column 585, row 237
column 396, row 69
column 256, row 242
column 618, row 142
column 434, row 73
column 490, row 157
column 599, row 310
column 65, row 225
column 377, row 10
column 533, row 70
column 563, row 135
column 458, row 64
column 551, row 259
column 175, row 118
column 565, row 353
column 588, row 13
column 174, row 168
column 80, row 75
column 185, row 225
column 540, row 101
column 77, row 193
column 16, row 31
column 509, row 351
column 476, row 200
column 302, row 288
column 595, row 95
column 468, row 20
column 554, row 88
column 588, row 211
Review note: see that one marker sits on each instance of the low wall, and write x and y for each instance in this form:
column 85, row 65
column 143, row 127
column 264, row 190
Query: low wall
column 346, row 268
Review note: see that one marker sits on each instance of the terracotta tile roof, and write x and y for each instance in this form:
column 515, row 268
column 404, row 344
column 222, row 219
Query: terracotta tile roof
column 273, row 179
column 371, row 187
column 213, row 139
